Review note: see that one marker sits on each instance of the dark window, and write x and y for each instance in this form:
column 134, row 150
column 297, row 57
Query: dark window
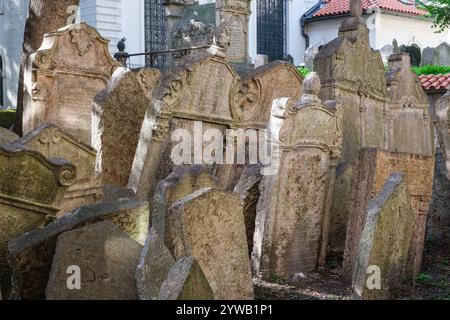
column 155, row 31
column 271, row 37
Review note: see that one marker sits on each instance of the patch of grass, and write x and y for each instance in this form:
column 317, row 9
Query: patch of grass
column 424, row 278
column 278, row 280
column 7, row 118
column 431, row 69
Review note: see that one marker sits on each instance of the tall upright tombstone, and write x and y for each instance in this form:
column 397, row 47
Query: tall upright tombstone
column 296, row 216
column 236, row 15
column 63, row 76
column 31, row 190
column 408, row 124
column 353, row 74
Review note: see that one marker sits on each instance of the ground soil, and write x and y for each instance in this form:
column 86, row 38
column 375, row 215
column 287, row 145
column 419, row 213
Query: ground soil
column 433, row 283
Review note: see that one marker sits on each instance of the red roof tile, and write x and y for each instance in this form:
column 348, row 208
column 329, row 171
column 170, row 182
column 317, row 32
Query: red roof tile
column 338, row 7
column 435, row 82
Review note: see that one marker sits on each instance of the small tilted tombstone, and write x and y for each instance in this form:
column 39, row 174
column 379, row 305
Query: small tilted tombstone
column 96, row 262
column 186, row 281
column 209, row 226
column 382, row 248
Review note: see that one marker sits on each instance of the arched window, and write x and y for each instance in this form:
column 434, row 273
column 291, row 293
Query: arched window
column 271, row 37
column 1, row 81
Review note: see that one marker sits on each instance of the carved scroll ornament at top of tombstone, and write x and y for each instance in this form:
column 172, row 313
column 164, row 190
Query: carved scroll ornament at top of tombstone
column 76, row 47
column 253, row 97
column 28, row 177
column 309, row 123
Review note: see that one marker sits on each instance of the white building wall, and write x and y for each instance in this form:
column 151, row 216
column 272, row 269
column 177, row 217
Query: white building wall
column 294, row 40
column 408, row 30
column 133, row 29
column 12, row 23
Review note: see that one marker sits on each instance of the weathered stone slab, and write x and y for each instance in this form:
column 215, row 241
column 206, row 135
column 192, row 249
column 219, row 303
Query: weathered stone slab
column 373, row 169
column 441, row 54
column 64, row 75
column 186, row 281
column 443, row 128
column 106, row 258
column 408, row 122
column 248, row 190
column 209, row 225
column 196, row 89
column 30, row 255
column 7, row 136
column 260, row 88
column 31, row 190
column 353, row 73
column 54, row 142
column 182, row 182
column 382, row 249
column 154, row 266
column 118, row 114
column 298, row 212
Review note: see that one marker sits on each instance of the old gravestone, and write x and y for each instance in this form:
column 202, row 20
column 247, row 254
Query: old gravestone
column 7, row 136
column 32, row 188
column 155, row 263
column 186, row 281
column 118, row 113
column 209, row 226
column 441, row 54
column 54, row 142
column 204, row 88
column 64, row 75
column 31, row 254
column 352, row 73
column 248, row 190
column 296, row 216
column 182, row 182
column 443, row 128
column 407, row 119
column 382, row 248
column 373, row 169
column 104, row 257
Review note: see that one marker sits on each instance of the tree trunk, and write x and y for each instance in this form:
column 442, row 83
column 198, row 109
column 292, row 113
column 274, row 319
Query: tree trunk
column 43, row 16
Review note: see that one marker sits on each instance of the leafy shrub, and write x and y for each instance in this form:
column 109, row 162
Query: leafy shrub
column 431, row 69
column 423, row 278
column 304, row 71
column 7, row 118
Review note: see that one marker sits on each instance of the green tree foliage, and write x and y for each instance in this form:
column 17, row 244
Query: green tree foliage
column 440, row 11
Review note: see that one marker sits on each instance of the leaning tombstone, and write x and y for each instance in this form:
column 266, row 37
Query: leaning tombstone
column 373, row 169
column 32, row 188
column 96, row 262
column 221, row 246
column 186, row 281
column 382, row 248
column 154, row 266
column 248, row 190
column 117, row 117
column 30, row 255
column 182, row 182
